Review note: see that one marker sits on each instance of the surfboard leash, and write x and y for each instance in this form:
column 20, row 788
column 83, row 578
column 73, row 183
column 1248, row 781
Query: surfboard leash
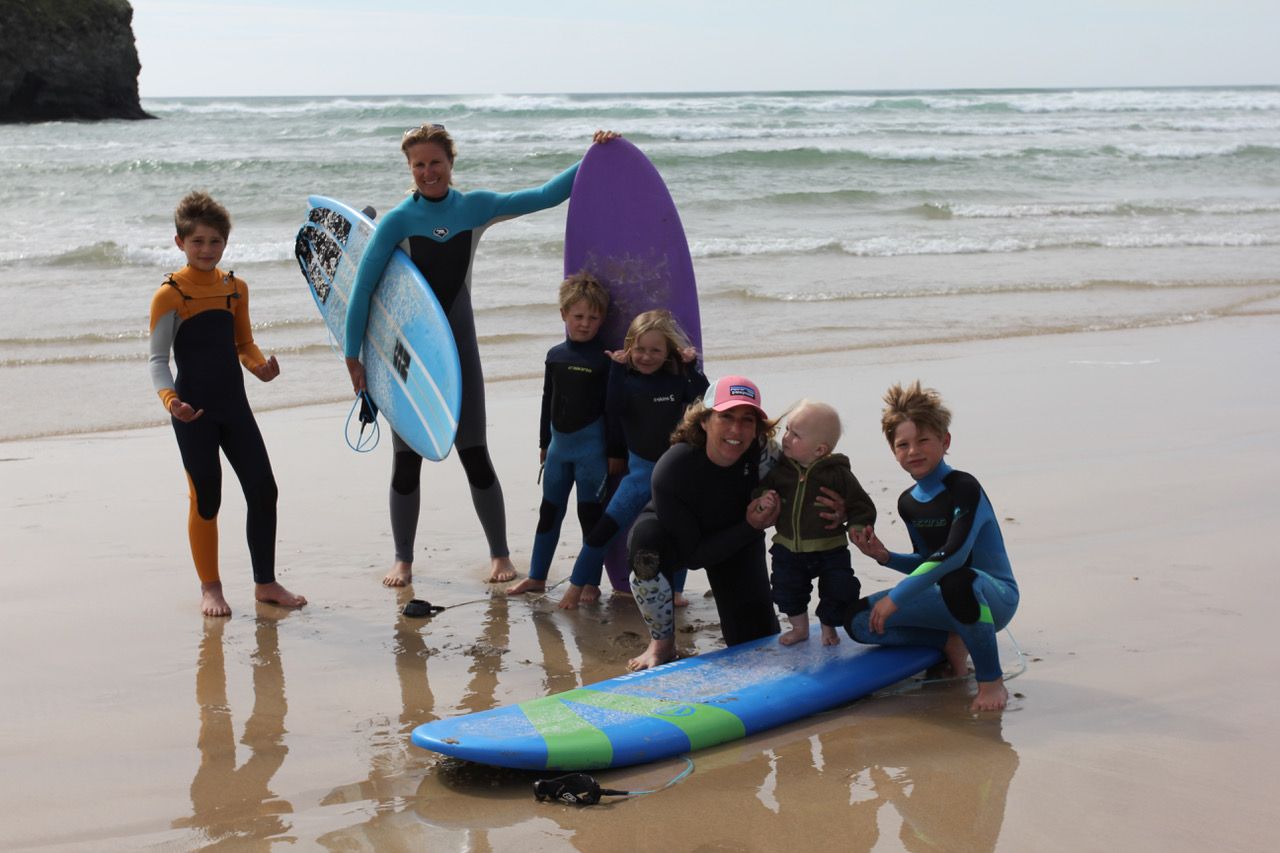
column 368, row 420
column 582, row 789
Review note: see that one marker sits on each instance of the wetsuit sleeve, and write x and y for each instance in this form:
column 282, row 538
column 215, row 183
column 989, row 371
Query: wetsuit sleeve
column 697, row 384
column 859, row 509
column 954, row 553
column 164, row 327
column 520, row 202
column 675, row 504
column 377, row 253
column 250, row 355
column 544, row 425
column 615, row 406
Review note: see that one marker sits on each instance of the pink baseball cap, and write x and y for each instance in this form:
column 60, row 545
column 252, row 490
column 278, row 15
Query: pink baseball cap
column 729, row 392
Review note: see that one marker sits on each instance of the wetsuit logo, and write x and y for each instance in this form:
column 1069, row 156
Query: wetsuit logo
column 440, row 232
column 670, row 398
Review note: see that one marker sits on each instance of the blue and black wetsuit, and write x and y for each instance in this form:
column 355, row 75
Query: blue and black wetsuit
column 641, row 412
column 442, row 236
column 958, row 578
column 571, row 432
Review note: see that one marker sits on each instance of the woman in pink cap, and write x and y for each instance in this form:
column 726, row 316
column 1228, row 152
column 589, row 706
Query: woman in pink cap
column 702, row 516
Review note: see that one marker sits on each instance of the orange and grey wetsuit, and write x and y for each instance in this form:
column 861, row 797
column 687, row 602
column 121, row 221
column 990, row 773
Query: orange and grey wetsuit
column 203, row 319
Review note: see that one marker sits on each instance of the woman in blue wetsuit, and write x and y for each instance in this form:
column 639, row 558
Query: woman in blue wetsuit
column 443, row 227
column 959, row 588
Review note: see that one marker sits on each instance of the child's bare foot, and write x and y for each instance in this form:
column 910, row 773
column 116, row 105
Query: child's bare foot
column 992, row 696
column 678, row 600
column 957, row 655
column 502, row 570
column 527, row 585
column 400, row 575
column 211, row 601
column 659, row 652
column 590, row 594
column 625, row 593
column 829, row 636
column 572, row 596
column 274, row 593
column 799, row 631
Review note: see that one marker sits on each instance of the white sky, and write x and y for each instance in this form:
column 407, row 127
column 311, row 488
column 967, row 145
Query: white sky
column 393, row 47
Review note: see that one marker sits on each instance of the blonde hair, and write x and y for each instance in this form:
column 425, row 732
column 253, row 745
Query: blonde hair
column 827, row 428
column 922, row 406
column 429, row 133
column 198, row 208
column 662, row 321
column 583, row 286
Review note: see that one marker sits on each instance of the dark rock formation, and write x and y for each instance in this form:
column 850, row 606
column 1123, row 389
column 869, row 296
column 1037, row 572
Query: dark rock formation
column 68, row 59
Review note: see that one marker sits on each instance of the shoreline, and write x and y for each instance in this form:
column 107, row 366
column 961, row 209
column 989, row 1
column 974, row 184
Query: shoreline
column 1130, row 470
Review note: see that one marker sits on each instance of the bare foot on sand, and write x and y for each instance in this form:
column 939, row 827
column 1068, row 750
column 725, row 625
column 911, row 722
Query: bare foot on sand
column 527, row 585
column 211, row 601
column 678, row 600
column 992, row 696
column 659, row 652
column 274, row 593
column 400, row 575
column 590, row 594
column 829, row 636
column 799, row 631
column 502, row 570
column 576, row 595
column 957, row 655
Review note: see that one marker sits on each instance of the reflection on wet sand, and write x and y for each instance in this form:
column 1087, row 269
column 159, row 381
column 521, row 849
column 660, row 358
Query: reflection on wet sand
column 232, row 806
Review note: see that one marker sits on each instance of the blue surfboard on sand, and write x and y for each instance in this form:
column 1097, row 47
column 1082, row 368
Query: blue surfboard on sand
column 410, row 358
column 675, row 708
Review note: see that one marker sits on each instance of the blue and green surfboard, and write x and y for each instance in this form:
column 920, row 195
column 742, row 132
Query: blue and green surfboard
column 676, row 708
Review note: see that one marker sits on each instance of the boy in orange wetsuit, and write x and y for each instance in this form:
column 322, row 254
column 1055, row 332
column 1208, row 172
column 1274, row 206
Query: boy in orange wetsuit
column 201, row 315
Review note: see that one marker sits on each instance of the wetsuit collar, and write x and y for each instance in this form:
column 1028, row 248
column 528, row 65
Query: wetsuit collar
column 929, row 485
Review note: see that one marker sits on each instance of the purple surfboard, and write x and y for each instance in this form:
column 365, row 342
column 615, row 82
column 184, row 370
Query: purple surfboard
column 623, row 228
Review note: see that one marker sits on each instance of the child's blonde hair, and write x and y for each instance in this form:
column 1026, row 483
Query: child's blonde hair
column 583, row 286
column 198, row 208
column 662, row 321
column 922, row 406
column 828, row 429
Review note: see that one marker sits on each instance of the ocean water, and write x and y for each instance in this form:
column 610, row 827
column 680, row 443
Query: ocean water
column 818, row 221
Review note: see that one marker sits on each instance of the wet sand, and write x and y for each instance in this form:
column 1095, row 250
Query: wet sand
column 1135, row 472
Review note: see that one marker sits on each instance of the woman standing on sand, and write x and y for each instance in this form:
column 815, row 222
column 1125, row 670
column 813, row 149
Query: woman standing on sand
column 443, row 227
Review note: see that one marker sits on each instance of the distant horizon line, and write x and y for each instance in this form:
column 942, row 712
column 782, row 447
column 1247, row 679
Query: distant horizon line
column 721, row 92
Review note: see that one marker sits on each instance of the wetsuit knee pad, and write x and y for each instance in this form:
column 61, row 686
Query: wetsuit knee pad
column 406, row 472
column 547, row 514
column 645, row 564
column 475, row 461
column 602, row 532
column 957, row 594
column 589, row 513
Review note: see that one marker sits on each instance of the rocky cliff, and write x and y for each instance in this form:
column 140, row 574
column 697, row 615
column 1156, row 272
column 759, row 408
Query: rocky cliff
column 68, row 59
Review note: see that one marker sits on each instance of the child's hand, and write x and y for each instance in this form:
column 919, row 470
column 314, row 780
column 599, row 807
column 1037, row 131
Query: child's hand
column 542, row 456
column 619, row 355
column 688, row 355
column 617, row 466
column 268, row 370
column 866, row 541
column 763, row 511
column 605, row 136
column 183, row 411
column 356, row 369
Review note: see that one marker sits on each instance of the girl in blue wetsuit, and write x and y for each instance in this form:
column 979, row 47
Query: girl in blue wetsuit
column 959, row 590
column 650, row 386
column 442, row 228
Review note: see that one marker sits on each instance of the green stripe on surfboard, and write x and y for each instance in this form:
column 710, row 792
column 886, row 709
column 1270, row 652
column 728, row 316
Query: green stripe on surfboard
column 571, row 740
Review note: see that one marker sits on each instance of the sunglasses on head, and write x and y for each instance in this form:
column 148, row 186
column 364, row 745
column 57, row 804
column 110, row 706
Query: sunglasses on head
column 422, row 127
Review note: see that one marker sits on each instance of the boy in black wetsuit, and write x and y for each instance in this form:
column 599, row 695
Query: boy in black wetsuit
column 201, row 314
column 571, row 438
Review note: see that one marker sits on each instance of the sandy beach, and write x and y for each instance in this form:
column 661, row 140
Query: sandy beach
column 1132, row 470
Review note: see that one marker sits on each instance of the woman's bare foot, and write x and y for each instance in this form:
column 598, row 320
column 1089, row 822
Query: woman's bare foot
column 957, row 655
column 829, row 636
column 571, row 597
column 274, row 593
column 527, row 585
column 590, row 594
column 502, row 570
column 211, row 601
column 400, row 575
column 992, row 696
column 659, row 652
column 799, row 631
column 678, row 600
